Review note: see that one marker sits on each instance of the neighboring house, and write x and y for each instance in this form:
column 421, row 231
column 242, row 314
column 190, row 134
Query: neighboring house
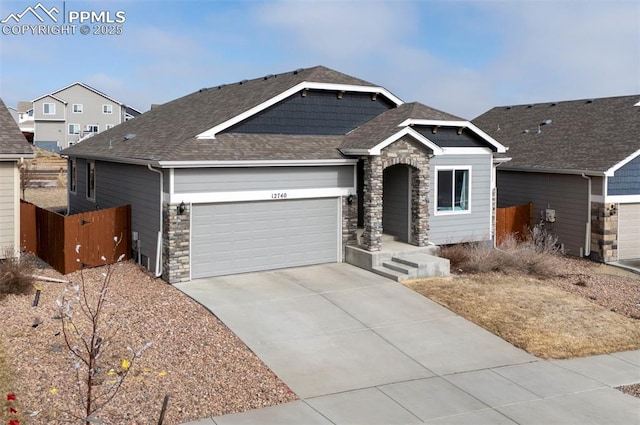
column 579, row 163
column 62, row 118
column 13, row 150
column 282, row 171
column 14, row 113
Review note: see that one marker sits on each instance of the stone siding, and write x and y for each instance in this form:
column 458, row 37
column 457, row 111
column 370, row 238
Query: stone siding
column 604, row 231
column 408, row 152
column 175, row 244
column 349, row 221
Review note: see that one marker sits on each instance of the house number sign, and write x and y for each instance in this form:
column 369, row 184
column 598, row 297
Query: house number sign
column 279, row 195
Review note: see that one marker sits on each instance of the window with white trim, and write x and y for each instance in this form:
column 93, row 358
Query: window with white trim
column 77, row 108
column 91, row 180
column 107, row 109
column 92, row 128
column 74, row 129
column 73, row 174
column 49, row 108
column 453, row 190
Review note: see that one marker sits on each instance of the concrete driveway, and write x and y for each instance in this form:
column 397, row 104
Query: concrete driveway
column 360, row 349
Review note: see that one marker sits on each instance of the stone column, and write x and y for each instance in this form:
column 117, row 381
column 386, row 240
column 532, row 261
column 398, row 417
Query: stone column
column 604, row 231
column 372, row 235
column 420, row 205
column 175, row 244
column 349, row 221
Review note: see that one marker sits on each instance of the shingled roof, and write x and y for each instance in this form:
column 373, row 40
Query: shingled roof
column 589, row 135
column 13, row 144
column 386, row 124
column 169, row 132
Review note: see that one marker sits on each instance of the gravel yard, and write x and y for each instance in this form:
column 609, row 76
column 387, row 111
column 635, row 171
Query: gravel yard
column 195, row 359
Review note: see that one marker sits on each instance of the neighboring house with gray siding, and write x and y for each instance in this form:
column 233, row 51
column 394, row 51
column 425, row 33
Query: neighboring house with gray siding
column 13, row 150
column 579, row 163
column 287, row 170
column 66, row 116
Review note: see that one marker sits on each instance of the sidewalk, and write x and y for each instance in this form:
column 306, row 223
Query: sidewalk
column 359, row 349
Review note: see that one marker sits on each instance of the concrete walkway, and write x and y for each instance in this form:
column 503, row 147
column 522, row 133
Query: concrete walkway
column 360, row 349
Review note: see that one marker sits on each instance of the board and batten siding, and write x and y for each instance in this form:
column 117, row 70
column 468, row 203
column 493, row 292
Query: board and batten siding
column 205, row 180
column 463, row 227
column 566, row 194
column 9, row 206
column 123, row 184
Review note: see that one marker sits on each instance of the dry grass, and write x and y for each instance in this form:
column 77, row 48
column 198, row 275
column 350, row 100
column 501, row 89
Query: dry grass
column 541, row 319
column 48, row 198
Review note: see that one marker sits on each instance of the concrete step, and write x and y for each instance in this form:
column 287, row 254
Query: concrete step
column 426, row 265
column 399, row 267
column 389, row 274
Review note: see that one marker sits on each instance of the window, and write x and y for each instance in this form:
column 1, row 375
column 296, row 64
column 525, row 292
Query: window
column 91, row 180
column 74, row 128
column 452, row 189
column 92, row 128
column 49, row 108
column 107, row 109
column 73, row 179
column 77, row 108
column 30, row 112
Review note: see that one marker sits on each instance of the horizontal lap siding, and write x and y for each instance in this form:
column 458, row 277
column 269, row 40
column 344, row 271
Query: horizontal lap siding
column 8, row 176
column 474, row 226
column 121, row 184
column 201, row 180
column 566, row 194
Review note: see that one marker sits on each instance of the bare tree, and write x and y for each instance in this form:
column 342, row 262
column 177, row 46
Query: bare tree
column 27, row 177
column 87, row 338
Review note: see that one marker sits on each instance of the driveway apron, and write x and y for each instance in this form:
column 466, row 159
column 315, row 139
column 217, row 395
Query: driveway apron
column 360, row 349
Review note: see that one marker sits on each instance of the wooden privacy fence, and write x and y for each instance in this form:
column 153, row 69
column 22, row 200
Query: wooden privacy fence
column 53, row 237
column 513, row 220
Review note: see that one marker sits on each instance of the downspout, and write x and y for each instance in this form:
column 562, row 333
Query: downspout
column 587, row 238
column 159, row 244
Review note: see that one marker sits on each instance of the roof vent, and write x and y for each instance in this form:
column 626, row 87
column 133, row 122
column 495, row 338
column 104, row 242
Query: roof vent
column 203, row 89
column 509, row 107
column 128, row 136
column 297, row 71
column 243, row 81
column 266, row 77
column 589, row 101
column 221, row 86
column 531, row 106
column 554, row 104
column 525, row 131
column 546, row 122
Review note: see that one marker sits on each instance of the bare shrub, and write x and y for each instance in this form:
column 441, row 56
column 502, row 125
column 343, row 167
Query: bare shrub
column 15, row 274
column 536, row 255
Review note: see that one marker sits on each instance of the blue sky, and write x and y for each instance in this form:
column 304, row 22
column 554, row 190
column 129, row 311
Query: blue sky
column 463, row 57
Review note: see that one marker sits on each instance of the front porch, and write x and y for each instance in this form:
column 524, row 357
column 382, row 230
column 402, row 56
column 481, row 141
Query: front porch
column 398, row 260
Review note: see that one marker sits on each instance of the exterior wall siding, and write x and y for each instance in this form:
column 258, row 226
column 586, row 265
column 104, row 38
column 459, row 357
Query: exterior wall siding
column 122, row 184
column 566, row 194
column 464, row 227
column 9, row 197
column 449, row 137
column 318, row 113
column 626, row 180
column 200, row 180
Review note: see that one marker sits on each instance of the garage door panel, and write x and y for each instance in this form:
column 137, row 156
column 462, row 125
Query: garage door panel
column 251, row 236
column 628, row 231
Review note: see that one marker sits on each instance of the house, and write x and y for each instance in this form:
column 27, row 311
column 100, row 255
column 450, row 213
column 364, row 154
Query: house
column 13, row 150
column 62, row 118
column 579, row 163
column 287, row 170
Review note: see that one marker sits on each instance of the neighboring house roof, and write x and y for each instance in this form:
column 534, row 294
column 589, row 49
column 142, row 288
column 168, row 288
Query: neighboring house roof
column 25, row 106
column 591, row 135
column 52, row 94
column 13, row 144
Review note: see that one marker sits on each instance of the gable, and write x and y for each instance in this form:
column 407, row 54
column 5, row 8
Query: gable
column 315, row 112
column 626, row 180
column 451, row 137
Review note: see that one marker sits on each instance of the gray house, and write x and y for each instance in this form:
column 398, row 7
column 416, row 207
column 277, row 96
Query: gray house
column 13, row 150
column 287, row 170
column 66, row 116
column 579, row 163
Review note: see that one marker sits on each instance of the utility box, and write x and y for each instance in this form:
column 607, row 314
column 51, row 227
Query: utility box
column 550, row 215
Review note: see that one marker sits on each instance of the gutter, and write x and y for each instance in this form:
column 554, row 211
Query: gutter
column 587, row 238
column 590, row 173
column 159, row 242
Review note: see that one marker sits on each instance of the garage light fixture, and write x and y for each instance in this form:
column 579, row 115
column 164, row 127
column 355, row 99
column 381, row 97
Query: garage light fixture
column 350, row 199
column 182, row 208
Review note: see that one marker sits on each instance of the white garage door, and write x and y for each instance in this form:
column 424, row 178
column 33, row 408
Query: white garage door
column 628, row 231
column 251, row 236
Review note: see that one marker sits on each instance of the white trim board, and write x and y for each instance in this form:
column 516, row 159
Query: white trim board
column 464, row 124
column 275, row 195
